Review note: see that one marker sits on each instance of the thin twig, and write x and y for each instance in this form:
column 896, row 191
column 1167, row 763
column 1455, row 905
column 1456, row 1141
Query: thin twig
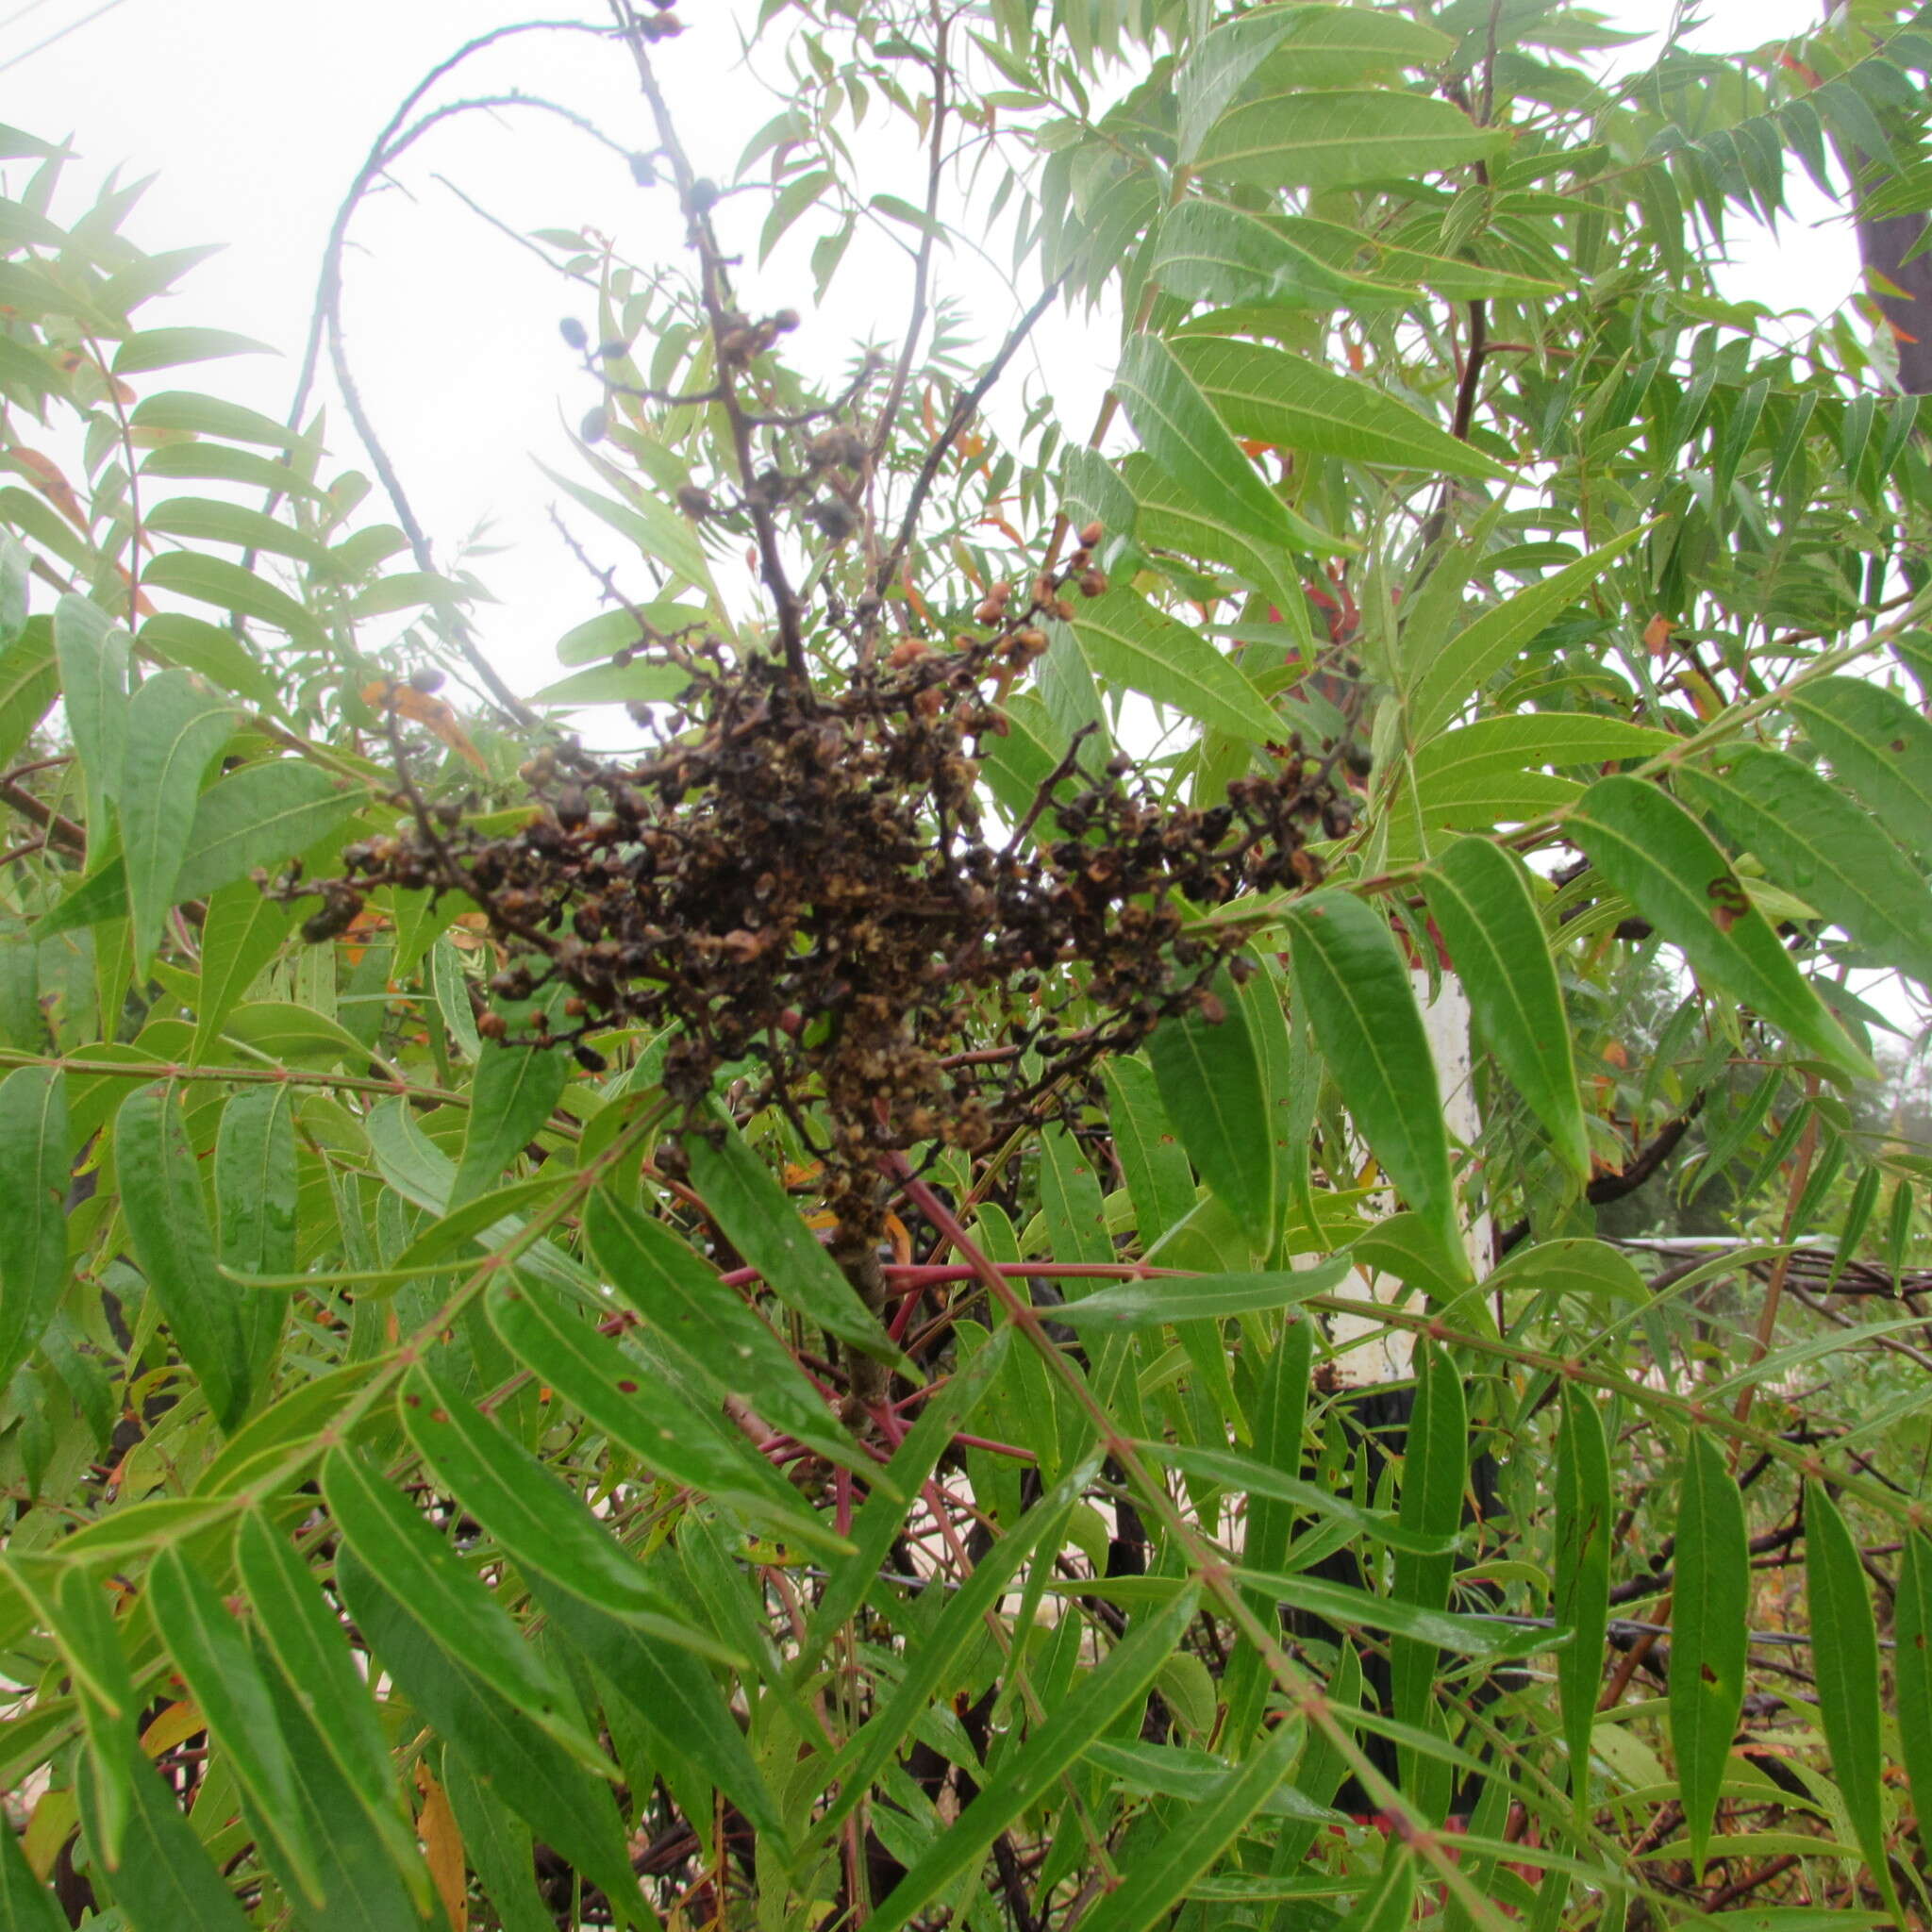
column 963, row 412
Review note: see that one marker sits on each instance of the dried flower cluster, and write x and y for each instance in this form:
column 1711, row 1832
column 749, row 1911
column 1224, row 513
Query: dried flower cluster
column 805, row 886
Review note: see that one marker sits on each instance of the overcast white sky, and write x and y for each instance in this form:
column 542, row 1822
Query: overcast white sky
column 255, row 115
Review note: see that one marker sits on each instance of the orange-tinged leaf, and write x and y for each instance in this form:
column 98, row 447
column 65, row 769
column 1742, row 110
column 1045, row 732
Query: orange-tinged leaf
column 443, row 1844
column 44, row 474
column 420, row 708
column 175, row 1725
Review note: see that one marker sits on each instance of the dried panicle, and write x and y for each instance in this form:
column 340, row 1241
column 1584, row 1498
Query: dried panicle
column 804, row 886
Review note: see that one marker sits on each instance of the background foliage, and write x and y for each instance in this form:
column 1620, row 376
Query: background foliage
column 448, row 1480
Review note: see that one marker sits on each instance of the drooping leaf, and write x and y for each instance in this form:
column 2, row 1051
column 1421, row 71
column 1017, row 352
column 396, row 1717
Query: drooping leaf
column 300, row 1630
column 1358, row 994
column 1179, row 428
column 500, row 1849
column 1210, row 251
column 692, row 1313
column 1709, row 1634
column 1026, row 1773
column 92, row 655
column 162, row 1197
column 535, row 1519
column 1168, row 1868
column 674, row 1696
column 1481, row 904
column 418, row 1565
column 1845, row 1658
column 1173, row 1298
column 1913, row 1626
column 497, row 1736
column 1434, row 1469
column 1815, row 841
column 877, row 1525
column 1159, row 1182
column 512, row 1096
column 1879, row 745
column 765, row 1228
column 1654, row 853
column 165, row 1879
column 33, row 1181
column 1580, row 1600
column 1320, row 46
column 642, row 1413
column 231, row 587
column 174, row 727
column 210, row 1649
column 1210, row 1086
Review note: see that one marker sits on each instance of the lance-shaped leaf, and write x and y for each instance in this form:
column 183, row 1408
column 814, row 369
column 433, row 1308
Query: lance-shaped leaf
column 1441, row 674
column 1209, row 252
column 1844, row 1655
column 1481, row 904
column 1263, row 1481
column 762, row 1224
column 538, row 1521
column 1335, row 138
column 1296, row 404
column 1159, row 1182
column 1581, row 1598
column 511, row 1098
column 165, row 1879
column 301, row 1632
column 418, row 1565
column 1818, row 843
column 1341, row 1602
column 1435, row 1468
column 1320, row 46
column 70, row 1602
column 26, row 1904
column 1171, row 1298
column 1171, row 1862
column 499, row 1847
column 1026, row 1773
column 546, row 1785
column 1358, row 994
column 961, row 1625
column 639, row 1411
column 1126, row 642
column 231, row 587
column 33, row 1182
column 1879, row 745
column 368, row 1882
column 92, row 654
column 175, row 726
column 881, row 1521
column 1211, row 1082
column 1709, row 1634
column 1654, row 853
column 256, row 1199
column 674, row 1696
column 1179, row 428
column 258, row 816
column 211, row 1650
column 707, row 1327
column 1358, row 251
column 167, row 1224
column 1913, row 1626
